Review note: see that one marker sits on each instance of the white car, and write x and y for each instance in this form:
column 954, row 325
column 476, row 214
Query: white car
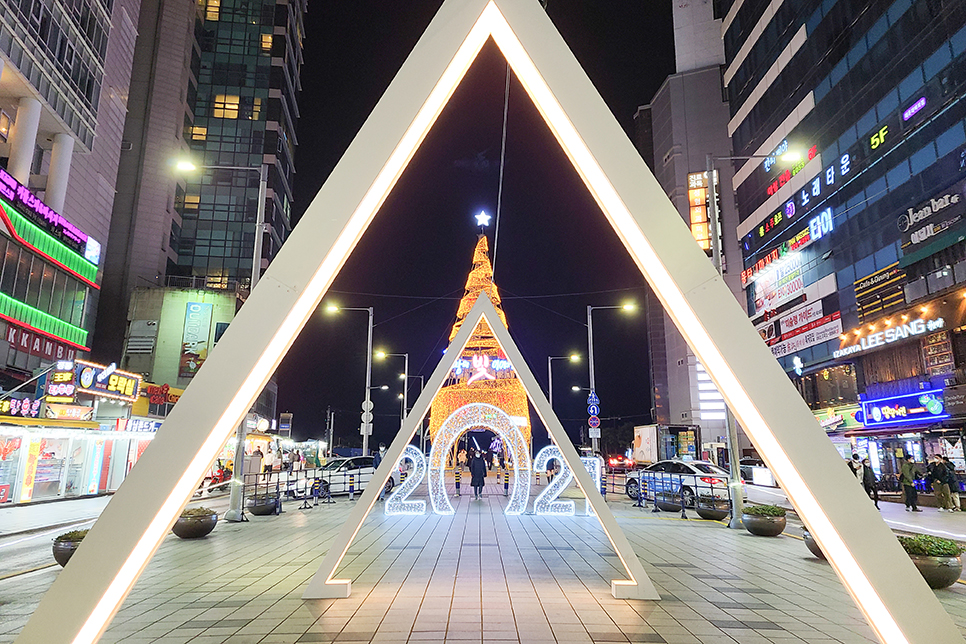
column 335, row 475
column 686, row 478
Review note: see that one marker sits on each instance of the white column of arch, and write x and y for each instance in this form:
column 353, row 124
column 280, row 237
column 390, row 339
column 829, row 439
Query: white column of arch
column 23, row 139
column 59, row 171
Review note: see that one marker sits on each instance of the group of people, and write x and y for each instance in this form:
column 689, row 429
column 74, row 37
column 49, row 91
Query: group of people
column 287, row 461
column 940, row 477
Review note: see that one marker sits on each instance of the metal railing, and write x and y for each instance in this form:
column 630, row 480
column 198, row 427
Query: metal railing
column 706, row 495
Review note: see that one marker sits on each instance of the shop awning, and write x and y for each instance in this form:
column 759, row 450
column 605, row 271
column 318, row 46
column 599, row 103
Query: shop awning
column 44, row 422
column 888, row 431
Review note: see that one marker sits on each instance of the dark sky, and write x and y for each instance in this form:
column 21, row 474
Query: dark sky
column 555, row 253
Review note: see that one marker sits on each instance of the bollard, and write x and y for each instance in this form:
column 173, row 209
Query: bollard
column 603, row 485
column 538, row 477
column 402, row 476
column 681, row 495
column 457, row 474
column 499, row 475
column 506, row 482
column 352, row 487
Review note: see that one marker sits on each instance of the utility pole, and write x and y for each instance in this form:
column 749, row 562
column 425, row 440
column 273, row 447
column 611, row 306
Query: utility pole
column 734, row 483
column 330, row 424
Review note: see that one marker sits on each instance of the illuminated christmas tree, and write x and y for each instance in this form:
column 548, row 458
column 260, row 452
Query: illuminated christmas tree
column 483, row 374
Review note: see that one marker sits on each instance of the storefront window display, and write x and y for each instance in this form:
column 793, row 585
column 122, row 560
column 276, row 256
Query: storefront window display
column 10, row 448
column 828, row 387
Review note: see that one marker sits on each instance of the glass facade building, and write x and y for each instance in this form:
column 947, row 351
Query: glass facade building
column 243, row 115
column 851, row 255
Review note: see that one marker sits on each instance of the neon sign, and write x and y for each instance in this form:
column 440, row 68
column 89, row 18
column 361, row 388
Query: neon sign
column 772, row 158
column 888, row 336
column 28, row 203
column 481, row 366
column 787, row 175
column 914, row 109
column 911, row 408
column 107, row 381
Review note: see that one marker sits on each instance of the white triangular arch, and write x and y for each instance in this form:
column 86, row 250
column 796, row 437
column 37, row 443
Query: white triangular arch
column 637, row 586
column 863, row 551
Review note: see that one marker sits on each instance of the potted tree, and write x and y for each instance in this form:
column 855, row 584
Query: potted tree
column 937, row 559
column 195, row 523
column 65, row 545
column 811, row 544
column 764, row 520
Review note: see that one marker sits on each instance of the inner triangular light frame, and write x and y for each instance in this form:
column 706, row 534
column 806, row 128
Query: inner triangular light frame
column 860, row 547
column 637, row 586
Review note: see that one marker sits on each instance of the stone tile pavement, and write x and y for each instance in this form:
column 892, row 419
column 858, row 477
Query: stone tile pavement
column 478, row 576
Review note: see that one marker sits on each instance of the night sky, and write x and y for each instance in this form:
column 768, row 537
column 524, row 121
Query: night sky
column 555, row 253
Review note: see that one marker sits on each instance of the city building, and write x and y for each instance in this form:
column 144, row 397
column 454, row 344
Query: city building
column 64, row 84
column 218, row 88
column 853, row 257
column 685, row 122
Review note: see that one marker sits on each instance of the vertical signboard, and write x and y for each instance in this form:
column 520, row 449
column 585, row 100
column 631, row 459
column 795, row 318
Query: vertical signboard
column 30, row 471
column 698, row 198
column 194, row 340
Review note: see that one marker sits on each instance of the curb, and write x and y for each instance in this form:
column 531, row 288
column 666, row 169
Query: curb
column 27, row 572
column 54, row 526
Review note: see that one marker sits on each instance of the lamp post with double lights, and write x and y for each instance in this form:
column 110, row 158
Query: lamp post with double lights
column 366, row 428
column 734, row 475
column 590, row 355
column 382, row 355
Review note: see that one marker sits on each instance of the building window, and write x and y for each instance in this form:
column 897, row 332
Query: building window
column 213, row 10
column 267, row 43
column 199, row 133
column 4, row 125
column 226, row 106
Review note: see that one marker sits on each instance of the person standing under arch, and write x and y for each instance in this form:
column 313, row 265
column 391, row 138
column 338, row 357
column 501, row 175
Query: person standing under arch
column 478, row 473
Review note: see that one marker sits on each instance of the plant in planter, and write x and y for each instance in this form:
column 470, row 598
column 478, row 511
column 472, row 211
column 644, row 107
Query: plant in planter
column 937, row 559
column 711, row 508
column 195, row 523
column 811, row 544
column 263, row 505
column 764, row 520
column 65, row 545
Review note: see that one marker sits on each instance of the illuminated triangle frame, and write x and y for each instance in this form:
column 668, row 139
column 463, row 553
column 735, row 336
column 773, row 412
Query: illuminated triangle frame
column 865, row 554
column 637, row 586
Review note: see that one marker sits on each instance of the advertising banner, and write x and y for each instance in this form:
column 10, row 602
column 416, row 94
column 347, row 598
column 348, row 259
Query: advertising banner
column 927, row 220
column 194, row 341
column 880, row 292
column 106, row 380
column 822, row 330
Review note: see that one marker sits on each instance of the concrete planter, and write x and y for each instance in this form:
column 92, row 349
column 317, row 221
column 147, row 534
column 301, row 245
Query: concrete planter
column 194, row 527
column 64, row 550
column 812, row 545
column 712, row 509
column 939, row 572
column 763, row 526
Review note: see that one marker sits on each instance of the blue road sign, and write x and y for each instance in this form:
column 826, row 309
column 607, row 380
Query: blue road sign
column 593, row 410
column 592, row 399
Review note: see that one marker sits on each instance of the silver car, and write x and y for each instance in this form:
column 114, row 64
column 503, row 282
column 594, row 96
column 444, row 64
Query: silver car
column 689, row 479
column 335, row 475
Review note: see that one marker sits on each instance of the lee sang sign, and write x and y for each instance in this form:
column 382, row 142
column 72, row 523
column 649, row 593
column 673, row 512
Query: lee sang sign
column 890, row 335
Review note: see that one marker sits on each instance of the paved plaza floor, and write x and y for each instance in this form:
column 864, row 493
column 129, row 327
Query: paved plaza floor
column 478, row 576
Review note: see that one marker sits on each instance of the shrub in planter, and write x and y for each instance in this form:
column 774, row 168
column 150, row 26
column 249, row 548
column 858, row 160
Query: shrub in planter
column 937, row 559
column 65, row 545
column 195, row 523
column 712, row 509
column 764, row 520
column 262, row 505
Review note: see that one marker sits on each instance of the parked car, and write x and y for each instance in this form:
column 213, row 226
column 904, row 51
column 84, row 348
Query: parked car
column 746, row 464
column 686, row 478
column 619, row 462
column 335, row 475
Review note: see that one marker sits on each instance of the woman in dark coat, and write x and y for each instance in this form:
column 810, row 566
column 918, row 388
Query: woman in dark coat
column 478, row 472
column 869, row 482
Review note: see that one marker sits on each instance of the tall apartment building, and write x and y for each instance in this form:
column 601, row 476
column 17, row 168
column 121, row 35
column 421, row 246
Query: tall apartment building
column 854, row 258
column 219, row 86
column 66, row 67
column 687, row 120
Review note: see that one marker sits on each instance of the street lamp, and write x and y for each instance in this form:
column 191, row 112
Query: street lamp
column 572, row 357
column 235, row 511
column 734, row 478
column 366, row 427
column 627, row 306
column 382, row 355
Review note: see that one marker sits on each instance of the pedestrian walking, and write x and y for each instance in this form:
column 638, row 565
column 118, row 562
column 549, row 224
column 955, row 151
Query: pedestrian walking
column 856, row 466
column 461, row 459
column 869, row 481
column 268, row 464
column 907, row 477
column 376, row 462
column 551, row 470
column 936, row 476
column 478, row 474
column 953, row 481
